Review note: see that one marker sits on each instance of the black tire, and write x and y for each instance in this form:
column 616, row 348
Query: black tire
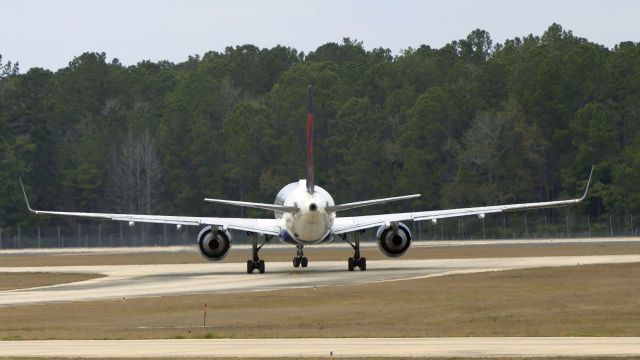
column 296, row 262
column 304, row 262
column 249, row 267
column 363, row 264
column 351, row 264
column 261, row 266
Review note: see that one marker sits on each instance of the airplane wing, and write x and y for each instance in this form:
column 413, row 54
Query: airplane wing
column 262, row 226
column 354, row 223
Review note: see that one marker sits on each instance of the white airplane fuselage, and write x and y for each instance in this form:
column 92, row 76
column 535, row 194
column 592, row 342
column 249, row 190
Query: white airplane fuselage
column 311, row 224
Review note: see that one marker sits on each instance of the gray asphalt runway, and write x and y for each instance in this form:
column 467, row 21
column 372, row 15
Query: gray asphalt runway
column 459, row 347
column 127, row 281
column 334, row 245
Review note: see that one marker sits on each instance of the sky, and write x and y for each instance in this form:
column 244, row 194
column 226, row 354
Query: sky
column 48, row 34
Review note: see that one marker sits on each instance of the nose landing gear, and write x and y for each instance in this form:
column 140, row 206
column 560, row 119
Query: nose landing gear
column 300, row 259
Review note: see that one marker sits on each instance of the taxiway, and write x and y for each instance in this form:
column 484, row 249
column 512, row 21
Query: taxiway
column 323, row 347
column 129, row 281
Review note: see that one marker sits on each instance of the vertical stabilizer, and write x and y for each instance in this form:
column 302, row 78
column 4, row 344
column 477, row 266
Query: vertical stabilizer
column 310, row 178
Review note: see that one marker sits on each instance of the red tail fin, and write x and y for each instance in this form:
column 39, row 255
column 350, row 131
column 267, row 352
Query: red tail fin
column 310, row 178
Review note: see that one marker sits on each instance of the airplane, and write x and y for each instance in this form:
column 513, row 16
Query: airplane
column 306, row 214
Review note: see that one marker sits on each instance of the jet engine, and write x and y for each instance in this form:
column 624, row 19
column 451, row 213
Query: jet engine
column 394, row 240
column 214, row 244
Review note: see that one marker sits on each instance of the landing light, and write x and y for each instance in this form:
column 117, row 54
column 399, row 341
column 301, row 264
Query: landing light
column 480, row 216
column 178, row 227
column 131, row 223
column 434, row 221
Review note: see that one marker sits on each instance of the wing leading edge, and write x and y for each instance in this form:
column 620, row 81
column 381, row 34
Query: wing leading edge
column 262, row 226
column 348, row 224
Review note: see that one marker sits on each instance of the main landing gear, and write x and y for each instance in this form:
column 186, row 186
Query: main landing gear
column 300, row 259
column 356, row 261
column 256, row 263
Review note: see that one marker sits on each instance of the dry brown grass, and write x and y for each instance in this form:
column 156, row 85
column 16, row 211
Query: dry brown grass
column 341, row 358
column 321, row 253
column 599, row 300
column 10, row 281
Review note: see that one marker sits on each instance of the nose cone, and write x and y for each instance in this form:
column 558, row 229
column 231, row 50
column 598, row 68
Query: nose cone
column 313, row 207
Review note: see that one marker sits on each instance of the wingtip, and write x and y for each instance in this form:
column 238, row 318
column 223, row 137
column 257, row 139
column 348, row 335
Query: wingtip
column 586, row 189
column 24, row 193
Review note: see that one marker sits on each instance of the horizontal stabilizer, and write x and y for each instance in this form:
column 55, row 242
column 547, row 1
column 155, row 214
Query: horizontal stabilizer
column 272, row 207
column 357, row 204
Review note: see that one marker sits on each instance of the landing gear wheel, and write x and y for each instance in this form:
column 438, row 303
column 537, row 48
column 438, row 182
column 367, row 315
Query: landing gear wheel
column 363, row 264
column 300, row 259
column 256, row 263
column 356, row 261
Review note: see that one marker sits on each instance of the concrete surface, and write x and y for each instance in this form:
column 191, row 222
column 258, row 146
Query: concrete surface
column 334, row 245
column 459, row 347
column 127, row 281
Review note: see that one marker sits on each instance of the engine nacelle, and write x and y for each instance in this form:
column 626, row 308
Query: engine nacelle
column 394, row 242
column 214, row 246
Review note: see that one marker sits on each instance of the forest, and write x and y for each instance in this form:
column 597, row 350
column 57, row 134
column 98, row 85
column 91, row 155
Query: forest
column 472, row 123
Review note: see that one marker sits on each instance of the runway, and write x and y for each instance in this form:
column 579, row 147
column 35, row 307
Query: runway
column 458, row 347
column 335, row 245
column 130, row 281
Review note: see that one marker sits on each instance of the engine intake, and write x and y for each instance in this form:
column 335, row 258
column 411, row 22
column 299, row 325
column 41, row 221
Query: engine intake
column 394, row 241
column 214, row 246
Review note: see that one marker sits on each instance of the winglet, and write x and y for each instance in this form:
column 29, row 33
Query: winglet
column 25, row 196
column 586, row 190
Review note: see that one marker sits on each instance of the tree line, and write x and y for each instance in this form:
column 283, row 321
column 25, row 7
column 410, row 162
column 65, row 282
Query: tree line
column 472, row 123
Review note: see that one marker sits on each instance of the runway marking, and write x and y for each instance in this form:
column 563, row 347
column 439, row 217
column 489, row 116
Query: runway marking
column 130, row 281
column 322, row 347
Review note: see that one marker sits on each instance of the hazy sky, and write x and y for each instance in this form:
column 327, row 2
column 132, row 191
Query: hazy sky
column 50, row 33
